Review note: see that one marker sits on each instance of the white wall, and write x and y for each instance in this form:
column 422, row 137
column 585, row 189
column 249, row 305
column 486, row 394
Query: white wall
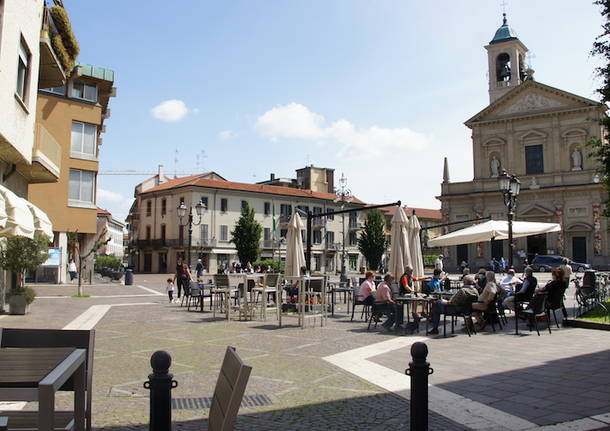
column 20, row 18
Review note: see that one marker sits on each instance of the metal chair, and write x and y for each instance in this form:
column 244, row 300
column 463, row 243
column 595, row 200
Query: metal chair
column 195, row 296
column 538, row 309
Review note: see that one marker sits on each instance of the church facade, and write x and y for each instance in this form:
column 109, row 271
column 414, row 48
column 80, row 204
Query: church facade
column 538, row 133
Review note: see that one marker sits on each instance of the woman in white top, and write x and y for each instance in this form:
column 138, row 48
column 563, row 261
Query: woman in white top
column 366, row 293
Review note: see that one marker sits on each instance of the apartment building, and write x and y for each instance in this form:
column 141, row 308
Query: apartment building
column 72, row 115
column 114, row 234
column 158, row 237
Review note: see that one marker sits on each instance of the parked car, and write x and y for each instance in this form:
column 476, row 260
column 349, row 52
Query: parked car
column 547, row 262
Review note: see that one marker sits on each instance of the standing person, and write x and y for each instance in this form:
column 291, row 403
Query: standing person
column 170, row 289
column 72, row 270
column 199, row 269
column 438, row 263
column 182, row 277
column 503, row 264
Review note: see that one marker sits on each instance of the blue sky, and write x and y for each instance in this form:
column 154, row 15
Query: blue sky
column 378, row 90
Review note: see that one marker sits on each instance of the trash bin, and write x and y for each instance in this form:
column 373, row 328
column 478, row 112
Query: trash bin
column 128, row 277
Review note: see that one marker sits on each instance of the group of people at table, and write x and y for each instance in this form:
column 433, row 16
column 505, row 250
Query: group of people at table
column 474, row 295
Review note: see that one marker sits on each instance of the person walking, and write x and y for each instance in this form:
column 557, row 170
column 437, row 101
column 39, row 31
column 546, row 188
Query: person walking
column 199, row 269
column 182, row 277
column 72, row 270
column 170, row 290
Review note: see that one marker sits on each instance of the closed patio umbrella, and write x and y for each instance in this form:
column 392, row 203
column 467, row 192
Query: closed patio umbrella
column 399, row 244
column 19, row 218
column 295, row 256
column 417, row 260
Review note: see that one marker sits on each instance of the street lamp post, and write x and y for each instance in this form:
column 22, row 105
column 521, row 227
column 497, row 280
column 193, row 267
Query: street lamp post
column 344, row 195
column 510, row 187
column 182, row 211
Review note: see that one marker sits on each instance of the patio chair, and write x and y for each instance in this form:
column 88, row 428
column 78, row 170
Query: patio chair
column 537, row 309
column 80, row 339
column 554, row 302
column 195, row 296
column 229, row 391
column 490, row 315
column 221, row 293
column 454, row 315
column 377, row 310
column 270, row 287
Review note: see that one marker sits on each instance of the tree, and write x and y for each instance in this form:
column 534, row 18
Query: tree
column 19, row 254
column 75, row 250
column 247, row 235
column 601, row 147
column 372, row 241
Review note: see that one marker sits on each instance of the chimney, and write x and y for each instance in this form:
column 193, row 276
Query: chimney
column 446, row 172
column 272, row 177
column 160, row 175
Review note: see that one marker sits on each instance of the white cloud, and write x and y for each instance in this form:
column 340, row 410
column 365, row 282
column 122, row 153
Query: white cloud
column 298, row 122
column 170, row 110
column 116, row 203
column 225, row 135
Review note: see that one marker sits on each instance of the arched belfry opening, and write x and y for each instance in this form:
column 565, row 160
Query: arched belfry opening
column 503, row 67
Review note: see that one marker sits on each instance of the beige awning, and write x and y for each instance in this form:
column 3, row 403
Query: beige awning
column 22, row 218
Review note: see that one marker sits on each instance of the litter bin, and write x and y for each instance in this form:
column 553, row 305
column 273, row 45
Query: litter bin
column 128, row 277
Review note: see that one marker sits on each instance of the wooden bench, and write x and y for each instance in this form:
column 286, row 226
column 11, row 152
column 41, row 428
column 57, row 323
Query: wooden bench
column 229, row 391
column 26, row 421
column 82, row 339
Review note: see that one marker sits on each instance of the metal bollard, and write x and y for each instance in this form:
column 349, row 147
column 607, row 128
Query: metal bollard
column 419, row 370
column 160, row 383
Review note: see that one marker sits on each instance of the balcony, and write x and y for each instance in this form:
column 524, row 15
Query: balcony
column 46, row 157
column 268, row 243
column 332, row 246
column 51, row 72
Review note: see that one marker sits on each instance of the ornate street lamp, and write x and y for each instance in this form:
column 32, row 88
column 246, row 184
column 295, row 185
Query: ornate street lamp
column 182, row 212
column 344, row 195
column 510, row 187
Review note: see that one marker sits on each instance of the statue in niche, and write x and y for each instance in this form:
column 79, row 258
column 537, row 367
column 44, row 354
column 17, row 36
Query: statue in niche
column 576, row 160
column 494, row 164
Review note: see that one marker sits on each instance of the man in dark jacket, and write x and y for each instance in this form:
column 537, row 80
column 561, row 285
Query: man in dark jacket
column 526, row 292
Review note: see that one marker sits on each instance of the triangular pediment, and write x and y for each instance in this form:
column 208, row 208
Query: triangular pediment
column 536, row 211
column 531, row 98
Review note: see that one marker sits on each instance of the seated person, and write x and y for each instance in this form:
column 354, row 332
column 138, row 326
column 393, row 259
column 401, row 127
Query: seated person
column 509, row 281
column 366, row 294
column 384, row 301
column 485, row 298
column 481, row 280
column 434, row 284
column 465, row 272
column 526, row 291
column 460, row 302
column 407, row 279
column 555, row 283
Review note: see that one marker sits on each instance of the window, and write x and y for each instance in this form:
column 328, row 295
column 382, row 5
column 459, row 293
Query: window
column 244, row 204
column 204, row 201
column 534, row 162
column 353, row 238
column 23, row 71
column 224, row 204
column 285, row 212
column 56, row 90
column 163, row 207
column 163, row 232
column 266, row 234
column 182, row 200
column 267, row 208
column 331, row 216
column 148, row 230
column 83, row 138
column 81, row 185
column 303, row 208
column 317, row 259
column 204, row 234
column 84, row 91
column 317, row 236
column 283, row 233
column 353, row 262
column 148, row 208
column 330, row 239
column 224, row 232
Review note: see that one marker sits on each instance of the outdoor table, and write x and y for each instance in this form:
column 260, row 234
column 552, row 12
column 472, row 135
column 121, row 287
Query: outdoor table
column 338, row 289
column 308, row 311
column 203, row 286
column 411, row 300
column 30, row 374
column 245, row 299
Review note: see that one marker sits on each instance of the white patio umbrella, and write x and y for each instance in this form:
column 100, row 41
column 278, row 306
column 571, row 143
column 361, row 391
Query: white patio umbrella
column 295, row 256
column 492, row 230
column 417, row 260
column 399, row 244
column 19, row 219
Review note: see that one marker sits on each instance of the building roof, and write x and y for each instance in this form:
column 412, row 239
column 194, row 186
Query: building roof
column 103, row 212
column 197, row 181
column 504, row 33
column 95, row 72
column 422, row 213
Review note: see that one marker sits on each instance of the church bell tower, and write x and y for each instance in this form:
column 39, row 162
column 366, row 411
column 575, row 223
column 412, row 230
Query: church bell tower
column 506, row 60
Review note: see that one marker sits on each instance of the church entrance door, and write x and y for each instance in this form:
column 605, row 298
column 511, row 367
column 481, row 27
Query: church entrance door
column 579, row 249
column 536, row 244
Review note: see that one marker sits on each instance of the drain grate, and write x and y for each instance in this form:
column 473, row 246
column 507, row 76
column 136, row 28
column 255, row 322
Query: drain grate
column 206, row 402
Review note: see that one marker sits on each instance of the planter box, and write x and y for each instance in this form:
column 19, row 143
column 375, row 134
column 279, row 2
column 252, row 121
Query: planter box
column 17, row 305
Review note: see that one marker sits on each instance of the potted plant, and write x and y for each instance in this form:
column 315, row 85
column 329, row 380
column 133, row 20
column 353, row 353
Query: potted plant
column 18, row 254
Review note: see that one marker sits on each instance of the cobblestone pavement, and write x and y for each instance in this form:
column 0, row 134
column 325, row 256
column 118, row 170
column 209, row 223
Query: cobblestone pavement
column 306, row 392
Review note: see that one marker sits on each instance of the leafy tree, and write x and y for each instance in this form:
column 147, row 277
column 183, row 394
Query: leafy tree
column 601, row 147
column 19, row 254
column 372, row 241
column 74, row 246
column 247, row 235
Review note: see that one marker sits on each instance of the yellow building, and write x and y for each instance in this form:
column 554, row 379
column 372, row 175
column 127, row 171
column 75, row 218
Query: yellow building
column 73, row 115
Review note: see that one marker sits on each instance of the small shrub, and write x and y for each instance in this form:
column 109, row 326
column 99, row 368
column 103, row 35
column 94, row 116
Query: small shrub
column 110, row 262
column 429, row 259
column 28, row 293
column 62, row 55
column 62, row 23
column 275, row 265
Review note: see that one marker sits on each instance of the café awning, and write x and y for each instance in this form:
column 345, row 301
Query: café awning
column 492, row 230
column 18, row 217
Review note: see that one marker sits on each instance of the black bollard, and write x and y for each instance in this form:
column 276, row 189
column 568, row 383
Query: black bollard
column 419, row 370
column 160, row 383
